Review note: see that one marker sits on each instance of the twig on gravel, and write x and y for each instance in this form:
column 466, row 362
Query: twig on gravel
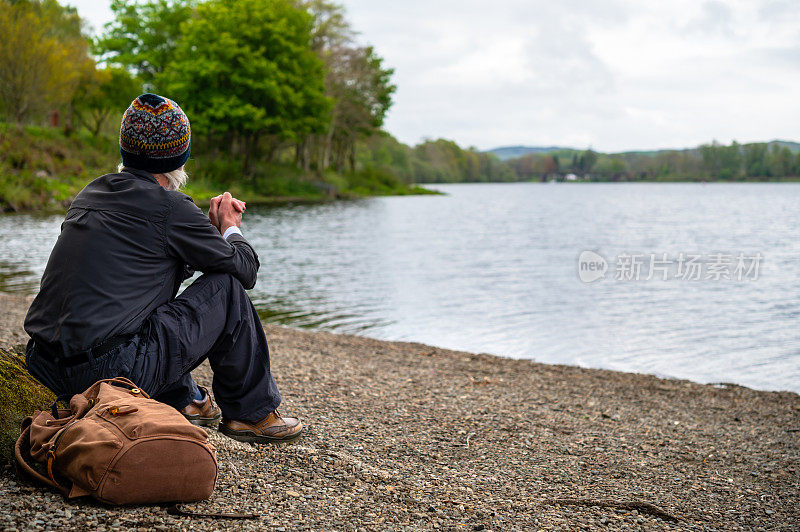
column 350, row 459
column 641, row 506
column 470, row 435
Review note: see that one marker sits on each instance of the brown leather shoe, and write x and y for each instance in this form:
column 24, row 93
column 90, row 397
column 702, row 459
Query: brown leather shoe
column 274, row 428
column 204, row 413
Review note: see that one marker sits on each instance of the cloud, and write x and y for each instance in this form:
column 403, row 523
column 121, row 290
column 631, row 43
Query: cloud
column 715, row 17
column 779, row 10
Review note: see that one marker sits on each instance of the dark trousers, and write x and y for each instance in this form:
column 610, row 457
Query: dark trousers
column 213, row 318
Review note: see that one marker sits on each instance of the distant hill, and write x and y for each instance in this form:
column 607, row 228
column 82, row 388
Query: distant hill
column 794, row 146
column 505, row 153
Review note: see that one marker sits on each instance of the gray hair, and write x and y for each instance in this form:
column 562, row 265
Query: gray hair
column 176, row 179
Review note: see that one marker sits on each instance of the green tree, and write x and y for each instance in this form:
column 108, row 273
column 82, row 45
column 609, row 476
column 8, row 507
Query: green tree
column 492, row 169
column 780, row 161
column 588, row 160
column 362, row 93
column 755, row 160
column 357, row 83
column 331, row 29
column 43, row 57
column 386, row 153
column 256, row 81
column 143, row 35
column 107, row 93
column 613, row 167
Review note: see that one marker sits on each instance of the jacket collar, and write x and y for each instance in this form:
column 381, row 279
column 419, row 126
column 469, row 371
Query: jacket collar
column 140, row 173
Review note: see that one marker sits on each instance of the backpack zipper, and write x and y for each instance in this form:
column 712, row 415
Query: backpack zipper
column 51, row 453
column 58, row 437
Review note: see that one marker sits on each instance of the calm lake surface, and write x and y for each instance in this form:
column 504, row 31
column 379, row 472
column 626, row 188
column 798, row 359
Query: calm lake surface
column 494, row 268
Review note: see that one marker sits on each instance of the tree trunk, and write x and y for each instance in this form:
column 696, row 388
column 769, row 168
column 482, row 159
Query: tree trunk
column 298, row 152
column 246, row 160
column 353, row 157
column 327, row 146
column 306, row 156
column 99, row 120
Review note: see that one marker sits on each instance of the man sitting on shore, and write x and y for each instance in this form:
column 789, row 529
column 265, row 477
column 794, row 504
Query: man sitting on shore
column 107, row 306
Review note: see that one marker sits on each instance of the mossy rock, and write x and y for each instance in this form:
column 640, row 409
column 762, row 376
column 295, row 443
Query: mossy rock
column 20, row 395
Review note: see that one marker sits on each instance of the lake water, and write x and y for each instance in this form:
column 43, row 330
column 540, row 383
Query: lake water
column 494, row 268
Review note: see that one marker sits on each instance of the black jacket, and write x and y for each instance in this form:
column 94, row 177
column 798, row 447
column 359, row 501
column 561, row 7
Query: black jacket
column 124, row 249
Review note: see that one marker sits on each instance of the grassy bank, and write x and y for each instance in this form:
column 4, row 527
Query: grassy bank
column 41, row 168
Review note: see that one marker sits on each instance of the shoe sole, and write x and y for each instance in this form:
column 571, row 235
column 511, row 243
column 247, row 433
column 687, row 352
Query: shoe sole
column 203, row 421
column 248, row 436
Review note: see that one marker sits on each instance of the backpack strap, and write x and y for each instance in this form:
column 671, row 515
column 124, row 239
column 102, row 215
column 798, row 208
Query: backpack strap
column 123, row 382
column 23, row 448
column 54, row 410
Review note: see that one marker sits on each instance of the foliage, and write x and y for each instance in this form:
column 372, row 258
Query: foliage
column 362, row 91
column 712, row 161
column 143, row 35
column 433, row 161
column 258, row 79
column 444, row 161
column 43, row 58
column 109, row 90
column 357, row 83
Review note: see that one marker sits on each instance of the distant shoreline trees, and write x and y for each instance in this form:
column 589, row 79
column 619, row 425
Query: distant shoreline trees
column 709, row 162
column 443, row 161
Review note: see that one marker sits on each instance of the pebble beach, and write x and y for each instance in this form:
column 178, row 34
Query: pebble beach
column 408, row 436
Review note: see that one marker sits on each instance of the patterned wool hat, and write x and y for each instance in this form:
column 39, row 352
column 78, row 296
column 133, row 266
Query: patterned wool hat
column 155, row 135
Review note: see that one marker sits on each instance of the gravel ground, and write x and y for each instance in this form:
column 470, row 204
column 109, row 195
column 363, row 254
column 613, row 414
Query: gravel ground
column 404, row 435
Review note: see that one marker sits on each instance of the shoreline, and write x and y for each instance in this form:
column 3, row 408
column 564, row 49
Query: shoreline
column 406, row 435
column 256, row 201
column 418, row 189
column 9, row 319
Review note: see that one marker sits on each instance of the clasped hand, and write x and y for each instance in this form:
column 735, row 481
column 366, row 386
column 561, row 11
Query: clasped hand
column 226, row 211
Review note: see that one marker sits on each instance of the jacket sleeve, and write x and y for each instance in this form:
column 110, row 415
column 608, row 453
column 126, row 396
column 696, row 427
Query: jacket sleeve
column 192, row 239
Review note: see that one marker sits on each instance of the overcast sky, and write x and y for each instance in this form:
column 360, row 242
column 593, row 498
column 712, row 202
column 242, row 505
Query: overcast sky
column 611, row 74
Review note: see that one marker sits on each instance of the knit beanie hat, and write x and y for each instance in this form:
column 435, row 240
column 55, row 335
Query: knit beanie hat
column 155, row 135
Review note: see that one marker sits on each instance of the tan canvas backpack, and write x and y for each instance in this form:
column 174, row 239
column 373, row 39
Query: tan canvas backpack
column 119, row 446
